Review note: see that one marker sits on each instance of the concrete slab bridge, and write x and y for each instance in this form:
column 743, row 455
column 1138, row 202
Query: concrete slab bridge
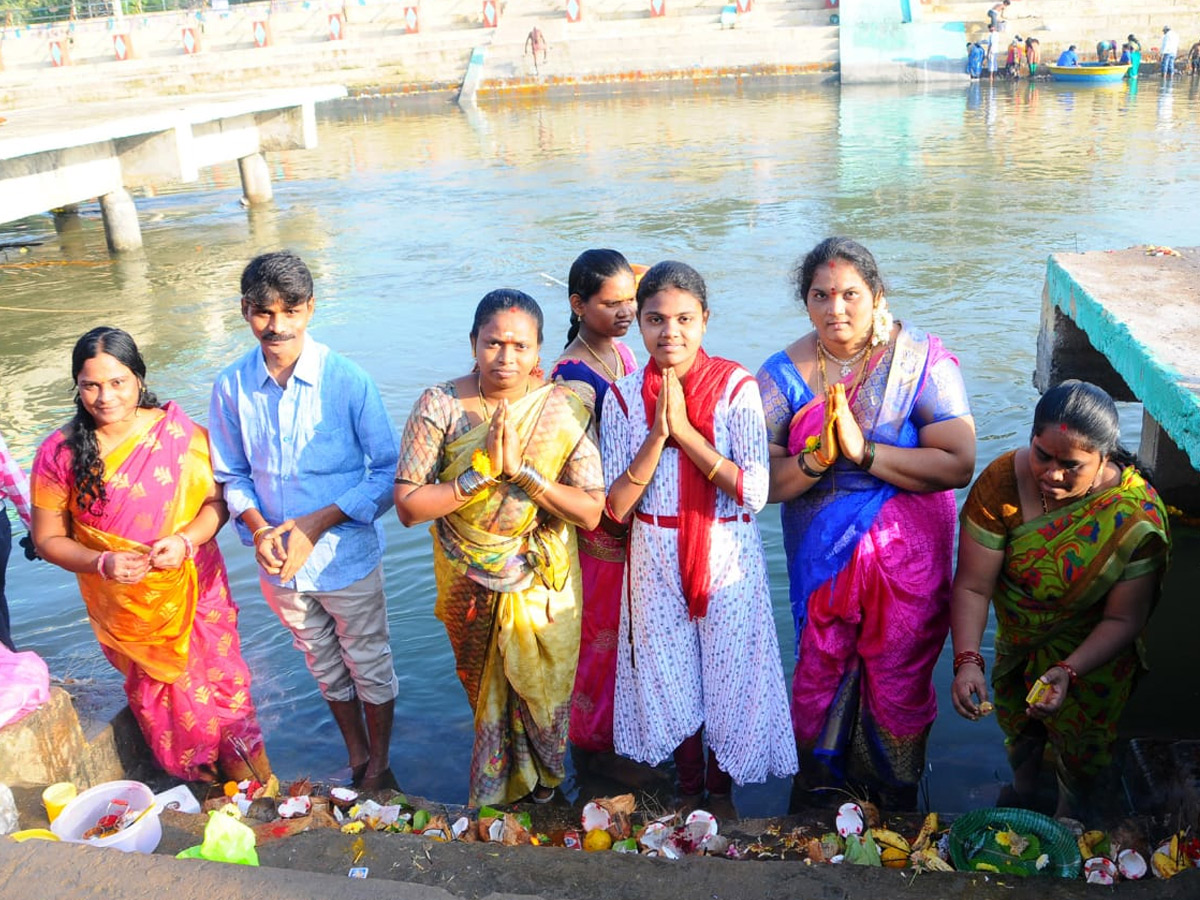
column 58, row 157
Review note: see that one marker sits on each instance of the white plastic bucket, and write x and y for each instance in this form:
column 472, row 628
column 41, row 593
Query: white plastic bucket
column 85, row 810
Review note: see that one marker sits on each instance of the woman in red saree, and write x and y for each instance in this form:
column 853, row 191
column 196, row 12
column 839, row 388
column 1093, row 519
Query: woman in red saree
column 124, row 497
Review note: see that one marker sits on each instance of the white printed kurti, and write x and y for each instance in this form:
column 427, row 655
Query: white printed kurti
column 723, row 671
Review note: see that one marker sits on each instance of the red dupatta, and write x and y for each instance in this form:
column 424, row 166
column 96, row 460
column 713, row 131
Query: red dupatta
column 703, row 386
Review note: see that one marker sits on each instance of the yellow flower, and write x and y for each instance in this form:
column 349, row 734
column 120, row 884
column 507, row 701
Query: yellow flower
column 482, row 463
column 352, row 828
column 812, row 443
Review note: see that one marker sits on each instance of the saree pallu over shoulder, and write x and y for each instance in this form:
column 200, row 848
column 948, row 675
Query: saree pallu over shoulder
column 1059, row 567
column 837, row 512
column 496, row 543
column 151, row 493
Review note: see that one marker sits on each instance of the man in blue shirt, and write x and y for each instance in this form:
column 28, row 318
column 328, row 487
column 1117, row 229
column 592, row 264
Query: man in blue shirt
column 306, row 452
column 1068, row 57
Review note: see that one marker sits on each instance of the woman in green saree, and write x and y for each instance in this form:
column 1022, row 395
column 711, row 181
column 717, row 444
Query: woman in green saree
column 1069, row 542
column 506, row 468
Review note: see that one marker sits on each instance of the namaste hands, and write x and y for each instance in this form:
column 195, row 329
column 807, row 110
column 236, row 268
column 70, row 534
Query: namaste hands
column 840, row 431
column 670, row 413
column 503, row 443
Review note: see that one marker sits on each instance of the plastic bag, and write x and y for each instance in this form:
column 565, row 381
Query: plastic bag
column 225, row 840
column 24, row 684
column 8, row 808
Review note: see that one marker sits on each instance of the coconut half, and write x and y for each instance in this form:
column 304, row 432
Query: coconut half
column 849, row 819
column 1131, row 864
column 1100, row 870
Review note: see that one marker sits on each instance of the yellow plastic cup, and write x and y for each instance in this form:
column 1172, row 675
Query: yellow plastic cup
column 55, row 797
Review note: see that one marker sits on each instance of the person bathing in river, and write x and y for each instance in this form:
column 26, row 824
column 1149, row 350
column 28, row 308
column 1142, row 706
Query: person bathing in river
column 305, row 450
column 124, row 497
column 1033, row 55
column 870, row 434
column 1068, row 542
column 600, row 290
column 685, row 461
column 505, row 467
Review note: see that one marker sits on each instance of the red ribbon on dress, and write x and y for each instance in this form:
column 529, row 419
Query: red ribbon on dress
column 703, row 386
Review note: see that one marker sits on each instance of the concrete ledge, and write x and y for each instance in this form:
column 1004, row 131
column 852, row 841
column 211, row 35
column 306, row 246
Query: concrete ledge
column 49, row 745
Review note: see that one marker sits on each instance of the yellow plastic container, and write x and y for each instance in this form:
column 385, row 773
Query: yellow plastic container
column 55, row 797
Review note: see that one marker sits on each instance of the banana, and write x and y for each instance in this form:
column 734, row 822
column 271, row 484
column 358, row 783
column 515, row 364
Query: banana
column 929, row 859
column 928, row 829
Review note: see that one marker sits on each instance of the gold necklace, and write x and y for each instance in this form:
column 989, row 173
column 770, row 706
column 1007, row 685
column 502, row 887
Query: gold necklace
column 862, row 373
column 487, row 413
column 612, row 376
column 846, row 364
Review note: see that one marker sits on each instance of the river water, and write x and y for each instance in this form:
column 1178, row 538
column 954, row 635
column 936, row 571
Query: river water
column 408, row 215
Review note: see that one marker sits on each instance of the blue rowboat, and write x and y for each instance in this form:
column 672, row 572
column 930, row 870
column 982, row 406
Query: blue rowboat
column 1089, row 73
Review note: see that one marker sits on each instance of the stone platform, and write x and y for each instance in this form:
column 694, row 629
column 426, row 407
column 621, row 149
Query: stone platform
column 1129, row 321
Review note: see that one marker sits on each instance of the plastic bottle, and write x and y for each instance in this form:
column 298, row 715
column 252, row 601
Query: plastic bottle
column 8, row 810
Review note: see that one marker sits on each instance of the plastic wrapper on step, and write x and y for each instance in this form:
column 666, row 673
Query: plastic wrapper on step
column 8, row 810
column 225, row 840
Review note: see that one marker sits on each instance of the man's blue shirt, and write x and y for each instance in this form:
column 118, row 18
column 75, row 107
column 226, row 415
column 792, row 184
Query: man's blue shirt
column 289, row 451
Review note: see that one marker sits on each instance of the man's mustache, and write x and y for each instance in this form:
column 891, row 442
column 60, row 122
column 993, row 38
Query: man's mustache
column 276, row 336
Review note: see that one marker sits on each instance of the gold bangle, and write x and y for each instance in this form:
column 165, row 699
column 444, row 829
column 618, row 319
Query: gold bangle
column 258, row 532
column 633, row 478
column 712, row 473
column 458, row 494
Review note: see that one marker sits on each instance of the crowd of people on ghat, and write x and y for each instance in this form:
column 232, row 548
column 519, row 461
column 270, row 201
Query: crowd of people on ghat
column 596, row 550
column 984, row 56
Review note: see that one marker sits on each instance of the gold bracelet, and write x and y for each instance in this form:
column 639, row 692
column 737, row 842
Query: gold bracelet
column 633, row 478
column 712, row 473
column 258, row 532
column 458, row 494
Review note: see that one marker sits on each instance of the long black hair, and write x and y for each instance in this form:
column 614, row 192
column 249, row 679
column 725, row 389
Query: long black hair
column 1089, row 412
column 587, row 276
column 80, row 440
column 827, row 251
column 503, row 299
column 671, row 273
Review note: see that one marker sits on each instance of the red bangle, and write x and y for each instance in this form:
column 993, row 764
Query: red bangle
column 969, row 656
column 1071, row 673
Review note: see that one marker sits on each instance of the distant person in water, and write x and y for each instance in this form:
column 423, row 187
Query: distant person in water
column 1194, row 59
column 1170, row 49
column 1135, row 55
column 1016, row 51
column 1033, row 55
column 536, row 41
column 975, row 57
column 993, row 50
column 1069, row 57
column 1105, row 51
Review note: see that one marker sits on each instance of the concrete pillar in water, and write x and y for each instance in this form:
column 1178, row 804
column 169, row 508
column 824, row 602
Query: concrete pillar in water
column 120, row 221
column 256, row 179
column 1173, row 474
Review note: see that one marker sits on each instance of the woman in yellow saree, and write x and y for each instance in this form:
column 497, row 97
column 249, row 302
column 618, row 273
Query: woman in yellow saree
column 506, row 467
column 124, row 497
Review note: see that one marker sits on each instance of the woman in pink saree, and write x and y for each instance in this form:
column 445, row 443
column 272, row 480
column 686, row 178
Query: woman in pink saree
column 124, row 497
column 871, row 431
